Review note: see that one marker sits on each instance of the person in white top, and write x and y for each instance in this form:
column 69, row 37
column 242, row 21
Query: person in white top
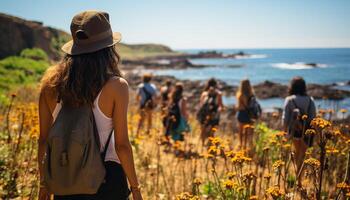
column 89, row 75
column 147, row 96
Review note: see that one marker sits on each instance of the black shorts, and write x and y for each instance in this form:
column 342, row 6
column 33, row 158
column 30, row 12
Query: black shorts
column 243, row 117
column 114, row 187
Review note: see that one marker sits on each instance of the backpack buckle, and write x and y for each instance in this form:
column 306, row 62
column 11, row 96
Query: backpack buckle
column 64, row 158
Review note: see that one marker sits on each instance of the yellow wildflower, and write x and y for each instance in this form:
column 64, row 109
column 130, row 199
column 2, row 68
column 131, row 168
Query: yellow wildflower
column 343, row 186
column 231, row 175
column 267, row 176
column 278, row 164
column 331, row 150
column 186, row 196
column 320, row 123
column 313, row 163
column 304, row 117
column 229, row 184
column 343, row 110
column 275, row 192
column 197, row 181
column 310, row 132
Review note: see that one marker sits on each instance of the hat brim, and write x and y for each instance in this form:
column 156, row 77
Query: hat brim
column 73, row 49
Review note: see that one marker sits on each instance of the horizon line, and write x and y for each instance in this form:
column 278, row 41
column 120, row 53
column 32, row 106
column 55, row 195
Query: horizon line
column 229, row 48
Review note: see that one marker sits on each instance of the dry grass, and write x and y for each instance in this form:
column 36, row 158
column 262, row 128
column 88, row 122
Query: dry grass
column 189, row 171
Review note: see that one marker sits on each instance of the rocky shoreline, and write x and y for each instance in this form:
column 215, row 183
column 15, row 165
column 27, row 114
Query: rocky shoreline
column 180, row 61
column 264, row 90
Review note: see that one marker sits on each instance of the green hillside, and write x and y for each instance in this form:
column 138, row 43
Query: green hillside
column 23, row 70
column 135, row 51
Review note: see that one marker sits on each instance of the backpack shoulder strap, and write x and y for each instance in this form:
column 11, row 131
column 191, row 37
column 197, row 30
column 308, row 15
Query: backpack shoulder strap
column 104, row 152
column 294, row 104
column 147, row 93
column 309, row 106
column 97, row 137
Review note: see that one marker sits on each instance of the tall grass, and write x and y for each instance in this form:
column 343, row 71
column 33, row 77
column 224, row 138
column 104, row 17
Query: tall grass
column 186, row 170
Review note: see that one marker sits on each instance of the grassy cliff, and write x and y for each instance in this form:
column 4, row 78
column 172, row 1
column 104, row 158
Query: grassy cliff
column 135, row 51
column 24, row 69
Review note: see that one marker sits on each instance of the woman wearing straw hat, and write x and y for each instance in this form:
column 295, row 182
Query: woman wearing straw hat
column 89, row 75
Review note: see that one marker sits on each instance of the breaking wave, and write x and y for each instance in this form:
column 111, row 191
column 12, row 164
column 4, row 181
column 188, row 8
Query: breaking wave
column 298, row 65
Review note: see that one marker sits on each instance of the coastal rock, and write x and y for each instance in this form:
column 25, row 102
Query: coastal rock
column 311, row 64
column 18, row 34
column 269, row 89
column 178, row 63
column 327, row 92
column 265, row 90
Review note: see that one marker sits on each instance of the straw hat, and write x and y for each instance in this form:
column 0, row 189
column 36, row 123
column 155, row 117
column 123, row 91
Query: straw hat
column 91, row 31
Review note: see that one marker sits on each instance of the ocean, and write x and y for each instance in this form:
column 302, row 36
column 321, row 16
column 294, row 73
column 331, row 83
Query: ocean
column 277, row 65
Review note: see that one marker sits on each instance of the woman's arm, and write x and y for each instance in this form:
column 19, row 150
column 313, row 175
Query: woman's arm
column 45, row 121
column 184, row 111
column 120, row 93
column 220, row 103
column 239, row 102
column 286, row 115
column 202, row 99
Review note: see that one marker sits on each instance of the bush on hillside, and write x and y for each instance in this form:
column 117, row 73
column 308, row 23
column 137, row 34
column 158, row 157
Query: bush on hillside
column 34, row 53
column 22, row 70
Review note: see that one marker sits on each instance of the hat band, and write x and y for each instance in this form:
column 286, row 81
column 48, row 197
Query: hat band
column 95, row 38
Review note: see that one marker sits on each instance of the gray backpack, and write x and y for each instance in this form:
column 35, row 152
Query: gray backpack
column 73, row 163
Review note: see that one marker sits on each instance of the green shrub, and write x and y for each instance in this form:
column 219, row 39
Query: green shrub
column 22, row 70
column 34, row 53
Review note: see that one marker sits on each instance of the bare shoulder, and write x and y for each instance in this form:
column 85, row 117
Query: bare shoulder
column 290, row 98
column 48, row 93
column 117, row 85
column 219, row 92
column 205, row 93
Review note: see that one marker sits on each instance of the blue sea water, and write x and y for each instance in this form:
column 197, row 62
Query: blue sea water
column 277, row 65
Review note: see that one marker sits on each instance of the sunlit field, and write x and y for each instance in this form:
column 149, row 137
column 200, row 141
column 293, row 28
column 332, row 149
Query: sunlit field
column 188, row 170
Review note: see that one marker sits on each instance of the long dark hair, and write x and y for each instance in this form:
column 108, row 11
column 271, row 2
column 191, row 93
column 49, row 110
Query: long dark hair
column 244, row 92
column 78, row 79
column 176, row 94
column 211, row 83
column 297, row 86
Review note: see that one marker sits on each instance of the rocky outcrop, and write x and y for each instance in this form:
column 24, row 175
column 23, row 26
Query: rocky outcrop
column 270, row 89
column 180, row 63
column 202, row 54
column 17, row 34
column 264, row 90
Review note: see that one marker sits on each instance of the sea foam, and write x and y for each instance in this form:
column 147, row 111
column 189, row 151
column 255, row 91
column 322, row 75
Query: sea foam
column 298, row 65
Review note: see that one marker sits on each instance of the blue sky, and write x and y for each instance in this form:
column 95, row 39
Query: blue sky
column 185, row 24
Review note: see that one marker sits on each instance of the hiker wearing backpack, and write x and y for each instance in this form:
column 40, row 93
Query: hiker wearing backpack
column 177, row 114
column 297, row 104
column 84, row 150
column 211, row 105
column 147, row 98
column 165, row 99
column 165, row 93
column 248, row 110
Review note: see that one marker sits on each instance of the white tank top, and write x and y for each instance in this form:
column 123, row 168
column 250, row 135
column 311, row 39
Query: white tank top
column 104, row 126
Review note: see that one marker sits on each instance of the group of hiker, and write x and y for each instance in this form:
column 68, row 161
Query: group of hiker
column 175, row 111
column 174, row 108
column 175, row 114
